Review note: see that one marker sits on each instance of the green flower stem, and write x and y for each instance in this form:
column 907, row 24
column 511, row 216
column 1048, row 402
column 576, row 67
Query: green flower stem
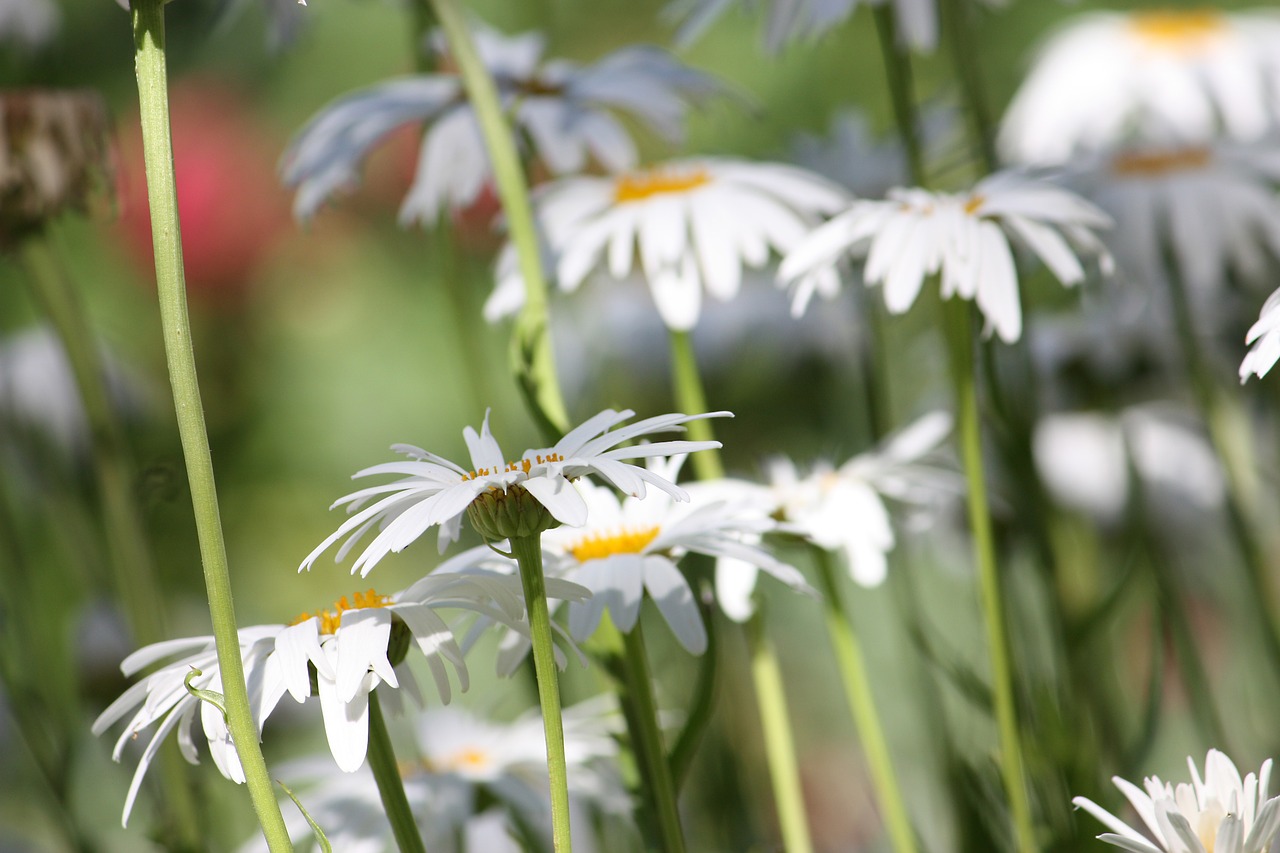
column 960, row 341
column 897, row 67
column 386, row 773
column 701, row 704
column 153, row 96
column 534, row 359
column 692, row 400
column 129, row 557
column 778, row 744
column 965, row 52
column 528, row 553
column 651, row 756
column 423, row 21
column 857, row 689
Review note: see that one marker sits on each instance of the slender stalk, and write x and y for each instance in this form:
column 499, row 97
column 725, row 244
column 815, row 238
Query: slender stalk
column 778, row 745
column 531, row 340
column 650, row 752
column 857, row 689
column 153, row 96
column 692, row 400
column 965, row 52
column 386, row 773
column 897, row 68
column 528, row 553
column 700, row 705
column 960, row 341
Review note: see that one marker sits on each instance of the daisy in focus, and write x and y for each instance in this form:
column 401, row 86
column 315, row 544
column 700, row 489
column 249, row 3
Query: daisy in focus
column 1164, row 76
column 1219, row 813
column 503, row 499
column 965, row 238
column 686, row 226
column 565, row 110
column 348, row 650
column 482, row 781
column 1264, row 335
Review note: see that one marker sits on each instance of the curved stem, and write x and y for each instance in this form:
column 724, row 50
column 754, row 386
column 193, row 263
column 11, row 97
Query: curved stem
column 779, row 747
column 153, row 96
column 528, row 553
column 960, row 341
column 857, row 689
column 386, row 773
column 531, row 339
column 691, row 399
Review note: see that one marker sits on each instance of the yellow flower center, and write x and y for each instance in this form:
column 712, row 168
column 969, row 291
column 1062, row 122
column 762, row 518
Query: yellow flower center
column 1150, row 164
column 470, row 758
column 639, row 186
column 597, row 546
column 1186, row 32
column 331, row 619
column 523, row 466
column 975, row 201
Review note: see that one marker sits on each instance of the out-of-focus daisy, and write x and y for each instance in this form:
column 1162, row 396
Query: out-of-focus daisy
column 349, row 650
column 565, row 110
column 1084, row 458
column 1265, row 337
column 687, row 225
column 534, row 492
column 1212, row 209
column 1219, row 813
column 1166, row 76
column 469, row 772
column 284, row 18
column 965, row 238
column 30, row 23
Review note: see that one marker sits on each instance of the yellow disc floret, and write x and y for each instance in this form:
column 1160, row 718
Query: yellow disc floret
column 1181, row 31
column 639, row 186
column 331, row 619
column 1151, row 164
column 597, row 546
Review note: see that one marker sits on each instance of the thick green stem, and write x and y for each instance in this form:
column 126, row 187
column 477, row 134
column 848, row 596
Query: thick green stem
column 857, row 689
column 153, row 95
column 386, row 773
column 531, row 339
column 965, row 53
column 779, row 747
column 651, row 754
column 897, row 67
column 960, row 341
column 528, row 553
column 692, row 400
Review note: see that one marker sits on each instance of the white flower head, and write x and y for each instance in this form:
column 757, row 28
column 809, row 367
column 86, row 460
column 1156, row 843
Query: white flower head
column 1165, row 76
column 963, row 238
column 1219, row 813
column 565, row 110
column 1264, row 335
column 345, row 653
column 436, row 492
column 30, row 23
column 687, row 225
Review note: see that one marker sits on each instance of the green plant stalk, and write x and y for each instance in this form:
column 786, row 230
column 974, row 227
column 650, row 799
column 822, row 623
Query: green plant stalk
column 531, row 340
column 650, row 752
column 386, row 773
column 129, row 557
column 701, row 704
column 960, row 342
column 778, row 744
column 691, row 399
column 964, row 52
column 897, row 67
column 153, row 97
column 528, row 553
column 857, row 689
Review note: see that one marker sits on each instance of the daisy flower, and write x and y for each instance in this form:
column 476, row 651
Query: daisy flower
column 30, row 23
column 1164, row 75
column 533, row 493
column 687, row 225
column 565, row 110
column 1220, row 813
column 464, row 763
column 1265, row 337
column 965, row 238
column 349, row 650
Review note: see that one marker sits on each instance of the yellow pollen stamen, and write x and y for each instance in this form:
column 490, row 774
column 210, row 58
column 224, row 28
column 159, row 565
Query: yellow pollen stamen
column 1183, row 32
column 975, row 201
column 331, row 619
column 470, row 758
column 1156, row 163
column 524, row 466
column 639, row 186
column 600, row 545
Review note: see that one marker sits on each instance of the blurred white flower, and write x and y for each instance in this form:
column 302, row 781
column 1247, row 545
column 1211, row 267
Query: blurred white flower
column 347, row 648
column 565, row 110
column 1154, row 76
column 692, row 223
column 1220, row 813
column 1084, row 460
column 435, row 491
column 915, row 233
column 28, row 22
column 467, row 764
column 1264, row 335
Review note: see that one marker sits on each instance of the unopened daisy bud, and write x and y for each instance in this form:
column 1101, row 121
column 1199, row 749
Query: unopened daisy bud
column 513, row 514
